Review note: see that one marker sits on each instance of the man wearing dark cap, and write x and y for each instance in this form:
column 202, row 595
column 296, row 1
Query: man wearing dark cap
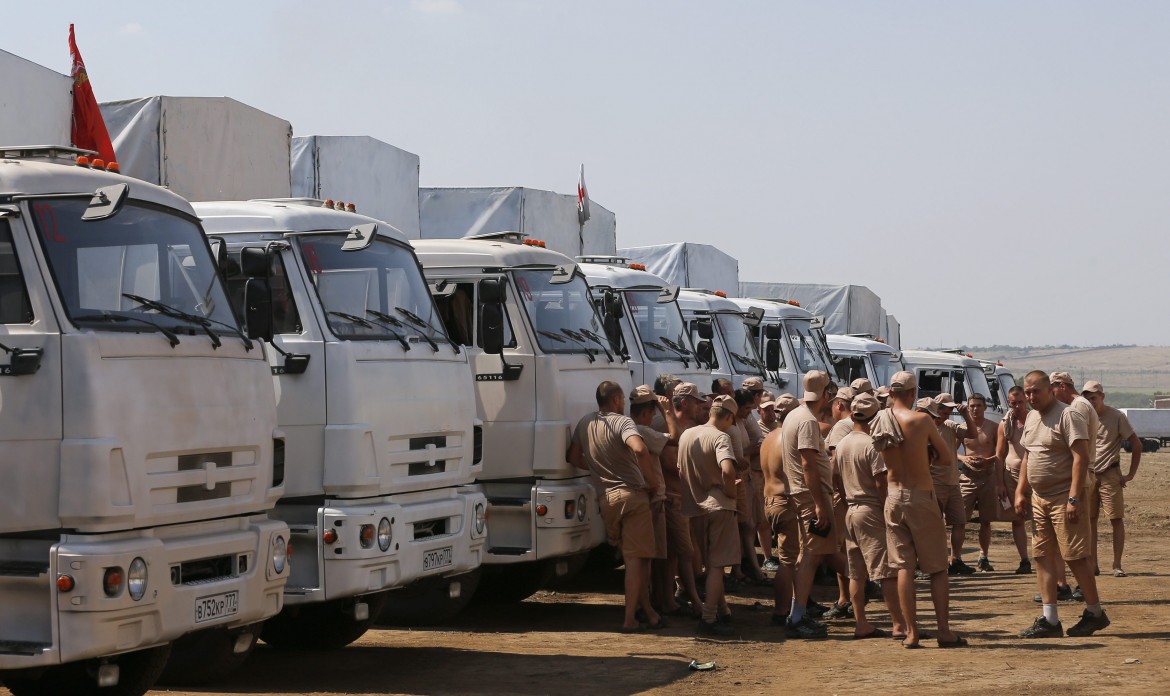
column 607, row 442
column 1108, row 491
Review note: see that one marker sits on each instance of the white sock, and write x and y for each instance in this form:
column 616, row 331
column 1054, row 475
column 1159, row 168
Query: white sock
column 797, row 613
column 1050, row 614
column 1095, row 609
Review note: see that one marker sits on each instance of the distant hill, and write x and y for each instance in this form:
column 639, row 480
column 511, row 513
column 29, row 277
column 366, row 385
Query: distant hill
column 1131, row 375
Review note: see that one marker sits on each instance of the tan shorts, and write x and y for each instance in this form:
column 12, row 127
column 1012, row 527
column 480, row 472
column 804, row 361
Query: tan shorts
column 813, row 544
column 658, row 510
column 698, row 526
column 723, row 549
column 1108, row 495
column 980, row 493
column 1011, row 480
column 1054, row 533
column 840, row 507
column 915, row 533
column 629, row 522
column 865, row 548
column 743, row 497
column 758, row 498
column 678, row 532
column 950, row 504
column 781, row 514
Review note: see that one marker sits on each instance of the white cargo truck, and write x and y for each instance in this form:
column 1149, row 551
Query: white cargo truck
column 1152, row 425
column 376, row 404
column 722, row 333
column 140, row 444
column 538, row 351
column 954, row 373
column 862, row 356
column 794, row 335
column 642, row 321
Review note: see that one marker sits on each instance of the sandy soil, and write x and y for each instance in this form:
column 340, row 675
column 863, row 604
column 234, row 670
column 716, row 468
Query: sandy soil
column 566, row 642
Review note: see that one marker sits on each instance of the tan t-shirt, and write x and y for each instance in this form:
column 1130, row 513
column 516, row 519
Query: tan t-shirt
column 838, row 432
column 859, row 463
column 1015, row 446
column 754, row 437
column 602, row 437
column 739, row 436
column 700, row 450
column 655, row 442
column 801, row 430
column 1085, row 408
column 951, row 432
column 1049, row 437
column 1112, row 429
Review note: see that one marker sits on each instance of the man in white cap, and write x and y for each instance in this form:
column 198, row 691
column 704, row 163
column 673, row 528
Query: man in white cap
column 810, row 477
column 948, row 484
column 1054, row 473
column 914, row 526
column 1066, row 393
column 1108, row 490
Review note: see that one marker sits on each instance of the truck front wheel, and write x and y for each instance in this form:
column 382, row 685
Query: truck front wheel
column 137, row 672
column 514, row 582
column 325, row 626
column 429, row 603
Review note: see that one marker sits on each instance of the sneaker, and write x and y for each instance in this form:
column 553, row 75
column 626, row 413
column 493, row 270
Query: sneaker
column 1025, row 568
column 1064, row 593
column 839, row 611
column 815, row 609
column 714, row 629
column 1089, row 624
column 921, row 575
column 1042, row 629
column 984, row 565
column 805, row 629
column 771, row 564
column 1077, row 595
column 958, row 567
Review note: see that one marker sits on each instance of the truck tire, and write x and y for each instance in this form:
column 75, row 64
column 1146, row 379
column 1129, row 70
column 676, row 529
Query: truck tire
column 323, row 626
column 137, row 673
column 605, row 557
column 574, row 565
column 428, row 603
column 207, row 656
column 1150, row 444
column 506, row 584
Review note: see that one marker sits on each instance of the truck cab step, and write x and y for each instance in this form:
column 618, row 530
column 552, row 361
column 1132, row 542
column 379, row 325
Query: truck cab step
column 23, row 569
column 23, row 647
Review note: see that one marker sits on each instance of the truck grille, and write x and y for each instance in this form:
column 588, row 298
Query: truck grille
column 203, row 571
column 191, row 462
column 430, row 528
column 419, row 444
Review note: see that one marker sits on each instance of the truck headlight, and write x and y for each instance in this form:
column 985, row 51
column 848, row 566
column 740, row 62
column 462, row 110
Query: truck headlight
column 385, row 534
column 279, row 555
column 480, row 518
column 581, row 508
column 136, row 579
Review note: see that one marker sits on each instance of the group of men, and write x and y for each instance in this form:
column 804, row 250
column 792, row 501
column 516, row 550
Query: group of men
column 864, row 481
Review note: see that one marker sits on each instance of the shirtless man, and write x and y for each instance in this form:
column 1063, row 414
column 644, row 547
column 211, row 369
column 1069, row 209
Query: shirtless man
column 914, row 525
column 947, row 482
column 783, row 522
column 1009, row 450
column 977, row 483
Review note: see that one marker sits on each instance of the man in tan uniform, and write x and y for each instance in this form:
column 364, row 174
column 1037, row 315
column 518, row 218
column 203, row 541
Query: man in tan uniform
column 1066, row 393
column 947, row 483
column 1054, row 472
column 1113, row 427
column 1009, row 450
column 783, row 521
column 861, row 385
column 841, row 417
column 747, row 451
column 915, row 532
column 863, row 482
column 682, row 557
column 645, row 407
column 755, row 432
column 707, row 467
column 810, row 476
column 981, row 470
column 607, row 443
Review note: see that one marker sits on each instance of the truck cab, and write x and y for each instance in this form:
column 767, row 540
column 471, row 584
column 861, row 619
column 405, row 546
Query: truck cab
column 862, row 356
column 797, row 335
column 642, row 321
column 722, row 335
column 954, row 373
column 538, row 350
column 140, row 447
column 376, row 405
column 1000, row 380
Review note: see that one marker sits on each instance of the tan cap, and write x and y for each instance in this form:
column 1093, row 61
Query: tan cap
column 927, row 404
column 861, row 384
column 864, row 406
column 1058, row 377
column 688, row 389
column 768, row 396
column 882, row 392
column 1092, row 386
column 945, row 399
column 815, row 382
column 642, row 395
column 846, row 394
column 753, row 384
column 903, row 381
column 785, row 403
column 726, row 403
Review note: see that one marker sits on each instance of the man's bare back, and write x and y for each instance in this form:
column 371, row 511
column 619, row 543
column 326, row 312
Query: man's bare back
column 908, row 464
column 772, row 464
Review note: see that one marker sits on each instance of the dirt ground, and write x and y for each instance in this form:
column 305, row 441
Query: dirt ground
column 566, row 642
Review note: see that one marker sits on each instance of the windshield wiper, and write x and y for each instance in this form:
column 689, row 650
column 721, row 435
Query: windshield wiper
column 354, row 319
column 580, row 340
column 745, row 359
column 418, row 325
column 551, row 335
column 172, row 312
column 171, row 336
column 675, row 348
column 390, row 321
column 596, row 339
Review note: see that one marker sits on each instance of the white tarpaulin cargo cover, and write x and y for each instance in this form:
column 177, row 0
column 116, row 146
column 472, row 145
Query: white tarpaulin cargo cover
column 847, row 309
column 203, row 148
column 893, row 333
column 689, row 265
column 451, row 213
column 36, row 104
column 379, row 179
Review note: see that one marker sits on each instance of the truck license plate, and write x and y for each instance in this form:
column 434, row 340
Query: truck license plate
column 216, row 606
column 437, row 558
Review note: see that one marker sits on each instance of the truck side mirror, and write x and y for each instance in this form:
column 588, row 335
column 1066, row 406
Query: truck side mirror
column 613, row 305
column 772, row 331
column 491, row 291
column 704, row 329
column 959, row 377
column 254, row 262
column 772, row 354
column 491, row 327
column 705, row 353
column 258, row 308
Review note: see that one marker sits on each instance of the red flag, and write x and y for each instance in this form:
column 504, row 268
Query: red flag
column 89, row 129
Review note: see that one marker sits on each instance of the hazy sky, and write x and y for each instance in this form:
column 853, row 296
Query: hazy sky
column 996, row 171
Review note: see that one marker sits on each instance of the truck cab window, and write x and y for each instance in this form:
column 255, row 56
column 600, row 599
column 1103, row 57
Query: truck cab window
column 461, row 319
column 14, row 303
column 285, row 318
column 930, row 383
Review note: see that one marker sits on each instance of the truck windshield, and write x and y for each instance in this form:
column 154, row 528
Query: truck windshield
column 562, row 315
column 977, row 383
column 740, row 346
column 885, row 366
column 376, row 293
column 806, row 348
column 105, row 269
column 660, row 326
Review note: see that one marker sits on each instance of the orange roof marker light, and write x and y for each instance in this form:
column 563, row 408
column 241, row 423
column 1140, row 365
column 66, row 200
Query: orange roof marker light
column 328, row 203
column 720, row 293
column 968, row 355
column 350, row 208
column 113, row 167
column 535, row 243
column 99, row 164
column 638, row 266
column 340, row 205
column 82, row 161
column 794, row 303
